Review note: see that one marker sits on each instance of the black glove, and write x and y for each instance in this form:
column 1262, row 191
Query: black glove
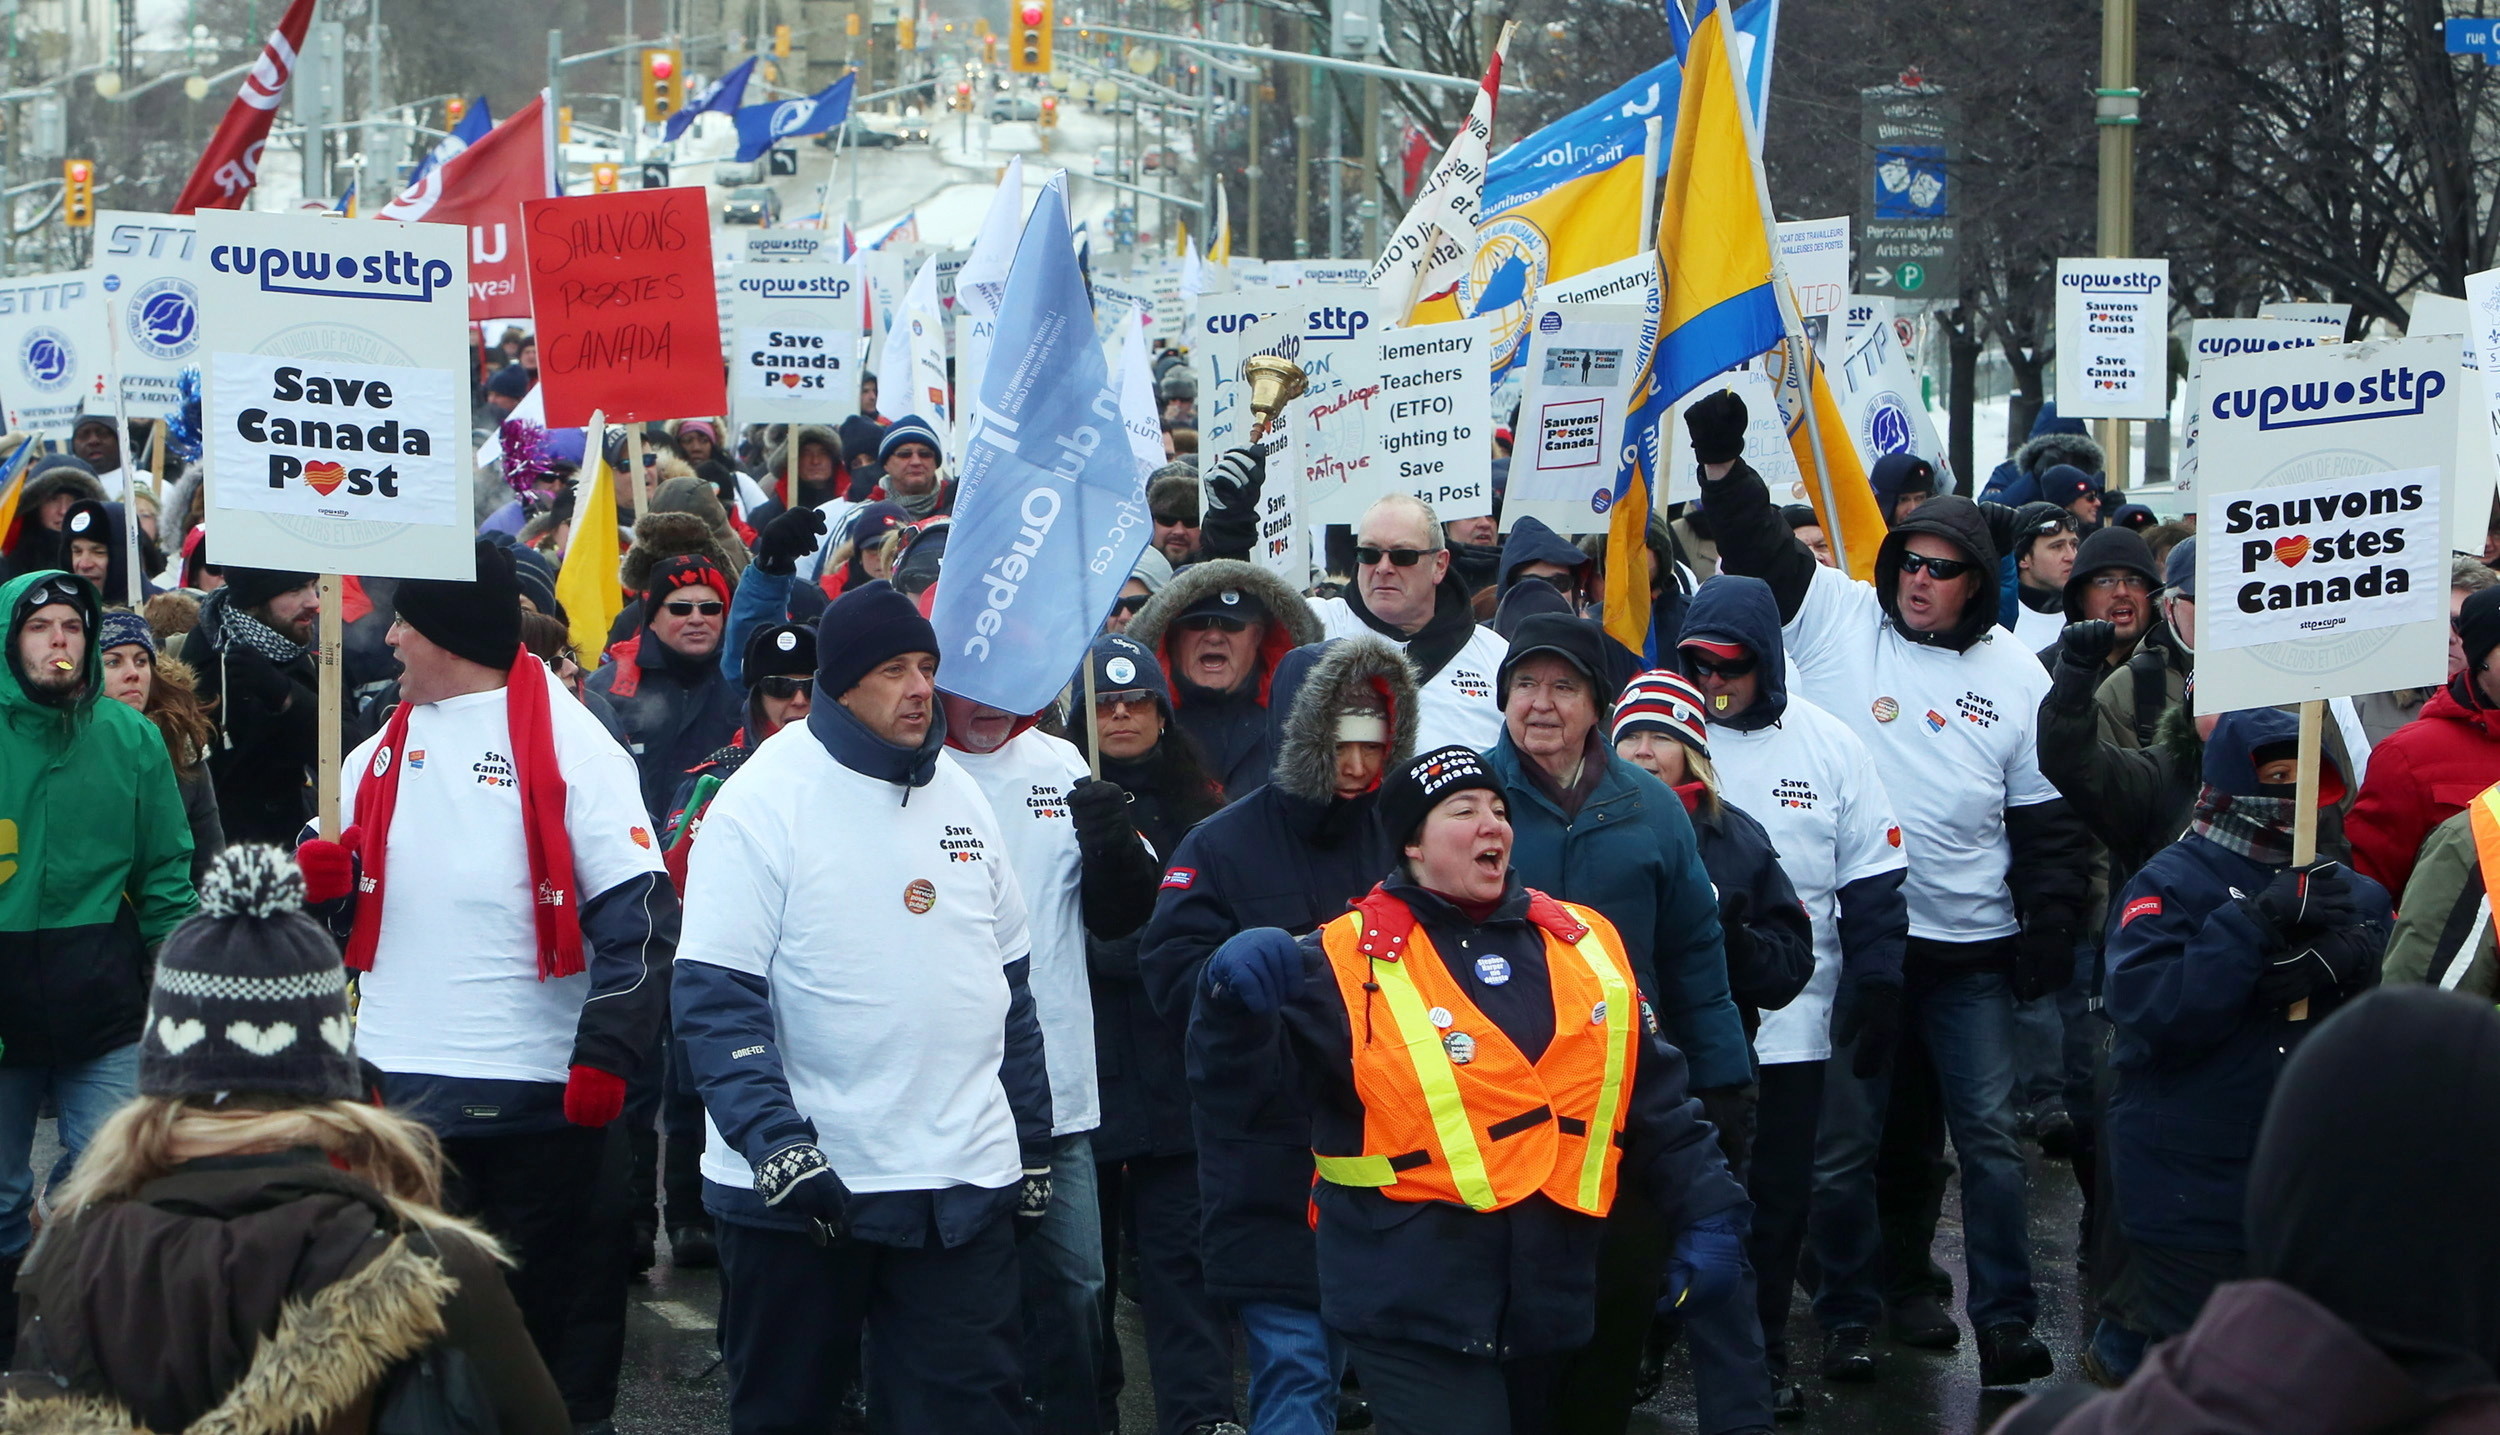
column 798, row 1180
column 2000, row 521
column 1716, row 423
column 1235, row 480
column 1731, row 1109
column 788, row 539
column 2044, row 958
column 1872, row 1019
column 2302, row 900
column 1032, row 1201
column 2087, row 644
column 1100, row 811
column 2326, row 962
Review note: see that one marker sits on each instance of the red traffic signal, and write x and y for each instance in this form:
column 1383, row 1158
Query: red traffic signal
column 1031, row 12
column 663, row 64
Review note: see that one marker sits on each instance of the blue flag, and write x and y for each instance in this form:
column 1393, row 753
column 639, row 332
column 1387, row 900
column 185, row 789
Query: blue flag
column 474, row 123
column 760, row 125
column 1050, row 502
column 722, row 96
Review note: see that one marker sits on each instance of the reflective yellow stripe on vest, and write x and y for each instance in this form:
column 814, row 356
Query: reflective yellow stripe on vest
column 1610, row 1093
column 1356, row 1170
column 1438, row 1080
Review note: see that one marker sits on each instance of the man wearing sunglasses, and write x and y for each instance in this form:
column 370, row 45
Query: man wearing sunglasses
column 665, row 682
column 1949, row 707
column 1404, row 591
column 1220, row 629
column 1172, row 499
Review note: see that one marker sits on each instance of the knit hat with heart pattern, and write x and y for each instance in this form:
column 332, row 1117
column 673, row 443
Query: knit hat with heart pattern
column 250, row 995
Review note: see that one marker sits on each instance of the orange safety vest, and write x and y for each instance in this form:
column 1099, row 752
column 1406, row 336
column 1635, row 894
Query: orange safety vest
column 1452, row 1111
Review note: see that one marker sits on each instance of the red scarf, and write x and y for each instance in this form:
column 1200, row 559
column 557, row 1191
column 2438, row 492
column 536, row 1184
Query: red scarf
column 557, row 908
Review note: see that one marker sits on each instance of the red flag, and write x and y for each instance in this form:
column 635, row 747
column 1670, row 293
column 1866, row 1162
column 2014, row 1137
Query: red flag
column 230, row 166
column 483, row 187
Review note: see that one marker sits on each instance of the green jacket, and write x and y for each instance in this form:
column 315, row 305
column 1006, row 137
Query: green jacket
column 2443, row 926
column 95, row 860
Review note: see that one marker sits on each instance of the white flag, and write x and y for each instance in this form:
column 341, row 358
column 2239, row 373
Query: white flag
column 911, row 364
column 1435, row 244
column 983, row 279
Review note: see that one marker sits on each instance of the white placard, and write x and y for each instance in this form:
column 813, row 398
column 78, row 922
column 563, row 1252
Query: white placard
column 1437, row 428
column 1167, row 306
column 1861, row 311
column 1338, row 273
column 51, row 351
column 793, row 340
column 784, row 246
column 2336, row 317
column 1815, row 252
column 886, row 277
column 2113, row 338
column 2337, row 459
column 2210, row 339
column 148, row 267
column 2477, row 473
column 302, row 317
column 1581, row 365
column 1232, row 328
column 1881, row 401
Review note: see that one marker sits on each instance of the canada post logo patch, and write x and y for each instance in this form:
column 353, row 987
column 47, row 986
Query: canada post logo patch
column 2140, row 907
column 1180, row 879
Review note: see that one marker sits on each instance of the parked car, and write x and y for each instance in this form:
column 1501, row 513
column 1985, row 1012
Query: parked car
column 859, row 135
column 1107, row 163
column 1014, row 107
column 751, row 204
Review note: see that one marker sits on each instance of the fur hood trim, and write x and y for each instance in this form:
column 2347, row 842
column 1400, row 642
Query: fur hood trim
column 777, row 455
column 1351, row 668
column 326, row 1354
column 2037, row 456
column 1214, row 576
column 659, row 537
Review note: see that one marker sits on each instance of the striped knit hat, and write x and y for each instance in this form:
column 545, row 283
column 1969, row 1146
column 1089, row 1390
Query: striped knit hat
column 1661, row 701
column 250, row 995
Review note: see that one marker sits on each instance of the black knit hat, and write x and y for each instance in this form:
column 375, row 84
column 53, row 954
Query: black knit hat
column 1411, row 792
column 2478, row 626
column 863, row 628
column 479, row 620
column 251, row 587
column 781, row 650
column 249, row 995
column 1576, row 641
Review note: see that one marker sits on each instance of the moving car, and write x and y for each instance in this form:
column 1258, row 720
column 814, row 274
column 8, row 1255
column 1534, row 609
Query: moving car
column 751, row 204
column 1107, row 163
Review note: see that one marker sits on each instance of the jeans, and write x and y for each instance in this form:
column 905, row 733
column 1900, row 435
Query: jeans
column 1419, row 1389
column 1782, row 1185
column 87, row 1092
column 1294, row 1365
column 1061, row 1275
column 2053, row 1039
column 1965, row 1015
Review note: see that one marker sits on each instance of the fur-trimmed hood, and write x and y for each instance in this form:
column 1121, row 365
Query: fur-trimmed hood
column 682, row 491
column 777, row 455
column 659, row 537
column 1347, row 670
column 2038, row 455
column 1291, row 623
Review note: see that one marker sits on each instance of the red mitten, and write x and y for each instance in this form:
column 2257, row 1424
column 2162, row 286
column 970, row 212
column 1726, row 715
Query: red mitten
column 329, row 870
column 593, row 1097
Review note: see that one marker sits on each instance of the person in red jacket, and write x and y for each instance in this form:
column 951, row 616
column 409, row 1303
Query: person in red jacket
column 2429, row 769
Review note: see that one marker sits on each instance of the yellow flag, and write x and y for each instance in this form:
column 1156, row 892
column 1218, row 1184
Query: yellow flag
column 587, row 584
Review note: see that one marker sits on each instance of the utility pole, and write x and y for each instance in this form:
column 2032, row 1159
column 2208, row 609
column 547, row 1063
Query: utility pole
column 2115, row 113
column 373, row 105
column 1370, row 207
column 1302, row 157
column 555, row 77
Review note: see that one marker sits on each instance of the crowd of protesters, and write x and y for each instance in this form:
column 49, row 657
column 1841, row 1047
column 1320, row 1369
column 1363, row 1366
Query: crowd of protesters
column 1421, row 1007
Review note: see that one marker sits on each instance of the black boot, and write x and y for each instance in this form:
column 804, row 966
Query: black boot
column 2010, row 1355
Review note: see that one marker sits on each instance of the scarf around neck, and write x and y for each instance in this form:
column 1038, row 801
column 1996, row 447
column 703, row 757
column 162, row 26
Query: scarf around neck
column 241, row 627
column 1430, row 647
column 555, row 905
column 2257, row 828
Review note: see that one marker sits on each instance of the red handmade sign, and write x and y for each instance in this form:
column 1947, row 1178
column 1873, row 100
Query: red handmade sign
column 621, row 291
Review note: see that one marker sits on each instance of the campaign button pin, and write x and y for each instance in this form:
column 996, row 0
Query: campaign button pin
column 1493, row 971
column 1597, row 1014
column 1460, row 1046
column 919, row 896
column 1440, row 1016
column 1886, row 710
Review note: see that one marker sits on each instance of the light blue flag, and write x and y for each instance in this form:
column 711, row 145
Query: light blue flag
column 760, row 125
column 722, row 96
column 1050, row 499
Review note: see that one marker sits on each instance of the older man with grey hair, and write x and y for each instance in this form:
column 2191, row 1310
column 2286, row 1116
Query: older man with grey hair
column 1403, row 591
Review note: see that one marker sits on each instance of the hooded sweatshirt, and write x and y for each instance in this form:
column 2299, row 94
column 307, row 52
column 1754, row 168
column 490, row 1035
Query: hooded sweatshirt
column 2123, row 550
column 1532, row 542
column 1809, row 781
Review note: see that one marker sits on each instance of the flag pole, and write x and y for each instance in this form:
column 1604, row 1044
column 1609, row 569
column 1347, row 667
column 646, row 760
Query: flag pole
column 1651, row 147
column 137, row 585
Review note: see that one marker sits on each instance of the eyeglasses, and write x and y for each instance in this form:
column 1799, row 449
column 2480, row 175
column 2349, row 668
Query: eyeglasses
column 1203, row 621
column 686, row 608
column 1943, row 570
column 1716, row 667
column 1365, row 556
column 1128, row 698
column 1132, row 603
column 781, row 687
column 2112, row 582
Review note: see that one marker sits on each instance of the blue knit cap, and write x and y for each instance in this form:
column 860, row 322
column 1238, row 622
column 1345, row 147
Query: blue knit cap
column 123, row 629
column 911, row 428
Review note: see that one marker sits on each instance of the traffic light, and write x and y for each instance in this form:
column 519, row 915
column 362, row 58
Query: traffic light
column 781, row 42
column 850, row 24
column 1031, row 53
column 564, row 124
column 453, row 109
column 963, row 96
column 603, row 179
column 663, row 84
column 1050, row 111
column 78, row 193
column 981, row 26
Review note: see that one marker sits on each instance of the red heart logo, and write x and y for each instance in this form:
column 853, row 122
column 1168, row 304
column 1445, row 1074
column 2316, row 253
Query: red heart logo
column 790, row 381
column 325, row 476
column 2289, row 551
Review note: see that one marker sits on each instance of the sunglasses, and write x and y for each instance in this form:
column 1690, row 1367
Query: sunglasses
column 1706, row 664
column 1175, row 520
column 1204, row 621
column 1131, row 697
column 781, row 687
column 1132, row 604
column 688, row 608
column 1365, row 556
column 1943, row 570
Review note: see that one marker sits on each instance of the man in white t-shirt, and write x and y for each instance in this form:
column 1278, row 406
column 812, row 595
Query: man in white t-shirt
column 1806, row 778
column 1948, row 705
column 853, row 996
column 506, row 906
column 1083, row 868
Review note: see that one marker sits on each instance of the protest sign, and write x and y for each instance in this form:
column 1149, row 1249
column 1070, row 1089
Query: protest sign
column 2210, row 339
column 49, row 334
column 2476, row 474
column 622, row 290
column 911, row 360
column 974, row 333
column 1167, row 306
column 335, row 405
column 884, row 273
column 2336, row 317
column 1885, row 408
column 1815, row 252
column 2322, row 572
column 1582, row 363
column 779, row 245
column 148, row 267
column 1117, row 305
column 1230, row 328
column 1437, row 422
column 795, row 353
column 2113, row 338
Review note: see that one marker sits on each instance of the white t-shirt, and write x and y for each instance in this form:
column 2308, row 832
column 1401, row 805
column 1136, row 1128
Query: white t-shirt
column 1456, row 706
column 2034, row 631
column 882, row 927
column 1956, row 736
column 1027, row 781
column 454, row 989
column 1810, row 783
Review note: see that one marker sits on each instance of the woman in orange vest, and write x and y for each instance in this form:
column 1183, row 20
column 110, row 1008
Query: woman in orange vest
column 1483, row 1079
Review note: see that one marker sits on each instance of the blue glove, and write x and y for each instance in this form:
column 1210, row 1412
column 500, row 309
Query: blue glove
column 1709, row 1258
column 1257, row 970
